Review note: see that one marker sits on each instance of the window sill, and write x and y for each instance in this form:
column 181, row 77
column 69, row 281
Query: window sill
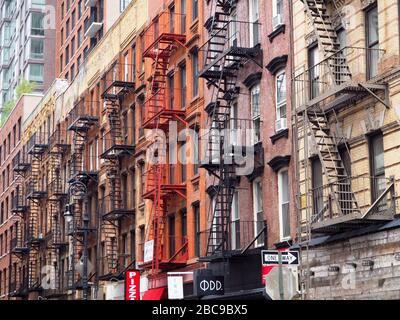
column 195, row 179
column 280, row 135
column 280, row 29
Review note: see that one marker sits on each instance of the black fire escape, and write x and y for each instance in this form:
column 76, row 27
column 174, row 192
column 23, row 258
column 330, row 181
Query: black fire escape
column 118, row 83
column 80, row 121
column 231, row 45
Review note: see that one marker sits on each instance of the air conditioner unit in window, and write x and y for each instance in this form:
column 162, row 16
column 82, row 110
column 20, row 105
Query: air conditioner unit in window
column 281, row 124
column 277, row 21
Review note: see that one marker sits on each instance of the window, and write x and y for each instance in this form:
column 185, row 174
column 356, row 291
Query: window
column 172, row 19
column 79, row 37
column 126, row 67
column 133, row 126
column 182, row 73
column 254, row 22
column 196, row 150
column 133, row 62
column 171, row 90
column 235, row 222
column 183, row 16
column 196, row 213
column 233, row 34
column 123, row 4
column 284, row 215
column 372, row 36
column 281, row 101
column 133, row 245
column 36, row 73
column 313, row 61
column 258, row 210
column 171, row 229
column 66, row 55
column 72, row 72
column 255, row 112
column 377, row 165
column 62, row 11
column 37, row 24
column 125, row 250
column 182, row 157
column 37, row 48
column 79, row 9
column 277, row 13
column 91, row 157
column 73, row 17
column 67, row 29
column 342, row 37
column 317, row 181
column 142, row 180
column 183, row 226
column 195, row 9
column 195, row 70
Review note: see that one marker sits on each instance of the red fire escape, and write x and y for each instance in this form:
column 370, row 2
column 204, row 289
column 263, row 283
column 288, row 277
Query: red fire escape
column 161, row 41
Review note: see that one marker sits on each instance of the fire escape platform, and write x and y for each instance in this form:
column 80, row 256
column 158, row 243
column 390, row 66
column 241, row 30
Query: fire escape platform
column 212, row 71
column 37, row 195
column 38, row 149
column 166, row 190
column 83, row 123
column 83, row 176
column 342, row 95
column 166, row 115
column 164, row 38
column 165, row 265
column 20, row 250
column 117, row 151
column 124, row 87
column 21, row 168
column 20, row 209
column 350, row 221
column 117, row 214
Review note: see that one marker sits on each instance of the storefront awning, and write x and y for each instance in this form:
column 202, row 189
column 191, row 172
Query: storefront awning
column 154, row 294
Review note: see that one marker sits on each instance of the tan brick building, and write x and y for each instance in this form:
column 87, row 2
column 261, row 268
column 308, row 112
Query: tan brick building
column 345, row 87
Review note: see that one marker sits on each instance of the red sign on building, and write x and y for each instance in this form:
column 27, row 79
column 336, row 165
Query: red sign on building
column 132, row 285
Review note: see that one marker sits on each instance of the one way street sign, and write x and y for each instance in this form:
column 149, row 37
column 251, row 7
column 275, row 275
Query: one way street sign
column 271, row 257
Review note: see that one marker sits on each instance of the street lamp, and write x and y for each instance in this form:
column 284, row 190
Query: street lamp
column 68, row 214
column 78, row 188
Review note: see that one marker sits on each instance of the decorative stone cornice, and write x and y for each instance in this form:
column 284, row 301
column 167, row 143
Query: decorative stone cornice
column 277, row 64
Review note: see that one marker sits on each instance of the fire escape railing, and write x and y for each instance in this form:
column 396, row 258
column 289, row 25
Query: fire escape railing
column 340, row 73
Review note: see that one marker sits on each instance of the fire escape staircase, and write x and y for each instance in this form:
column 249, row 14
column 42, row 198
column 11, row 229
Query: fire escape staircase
column 158, row 116
column 80, row 123
column 344, row 88
column 225, row 57
column 340, row 210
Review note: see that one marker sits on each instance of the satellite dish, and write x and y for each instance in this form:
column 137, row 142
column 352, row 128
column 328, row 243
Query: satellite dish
column 289, row 283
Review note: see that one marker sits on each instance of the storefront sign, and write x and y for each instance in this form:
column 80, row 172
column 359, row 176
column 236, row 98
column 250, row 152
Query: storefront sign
column 132, row 285
column 209, row 286
column 148, row 251
column 175, row 288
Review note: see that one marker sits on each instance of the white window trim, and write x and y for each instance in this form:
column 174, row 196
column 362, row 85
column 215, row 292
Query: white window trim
column 254, row 118
column 282, row 238
column 275, row 14
column 235, row 208
column 256, row 211
column 254, row 16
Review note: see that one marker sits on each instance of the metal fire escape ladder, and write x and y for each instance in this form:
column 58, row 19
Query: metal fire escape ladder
column 75, row 227
column 114, row 178
column 156, row 174
column 159, row 115
column 327, row 39
column 325, row 142
column 221, row 69
column 33, row 227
